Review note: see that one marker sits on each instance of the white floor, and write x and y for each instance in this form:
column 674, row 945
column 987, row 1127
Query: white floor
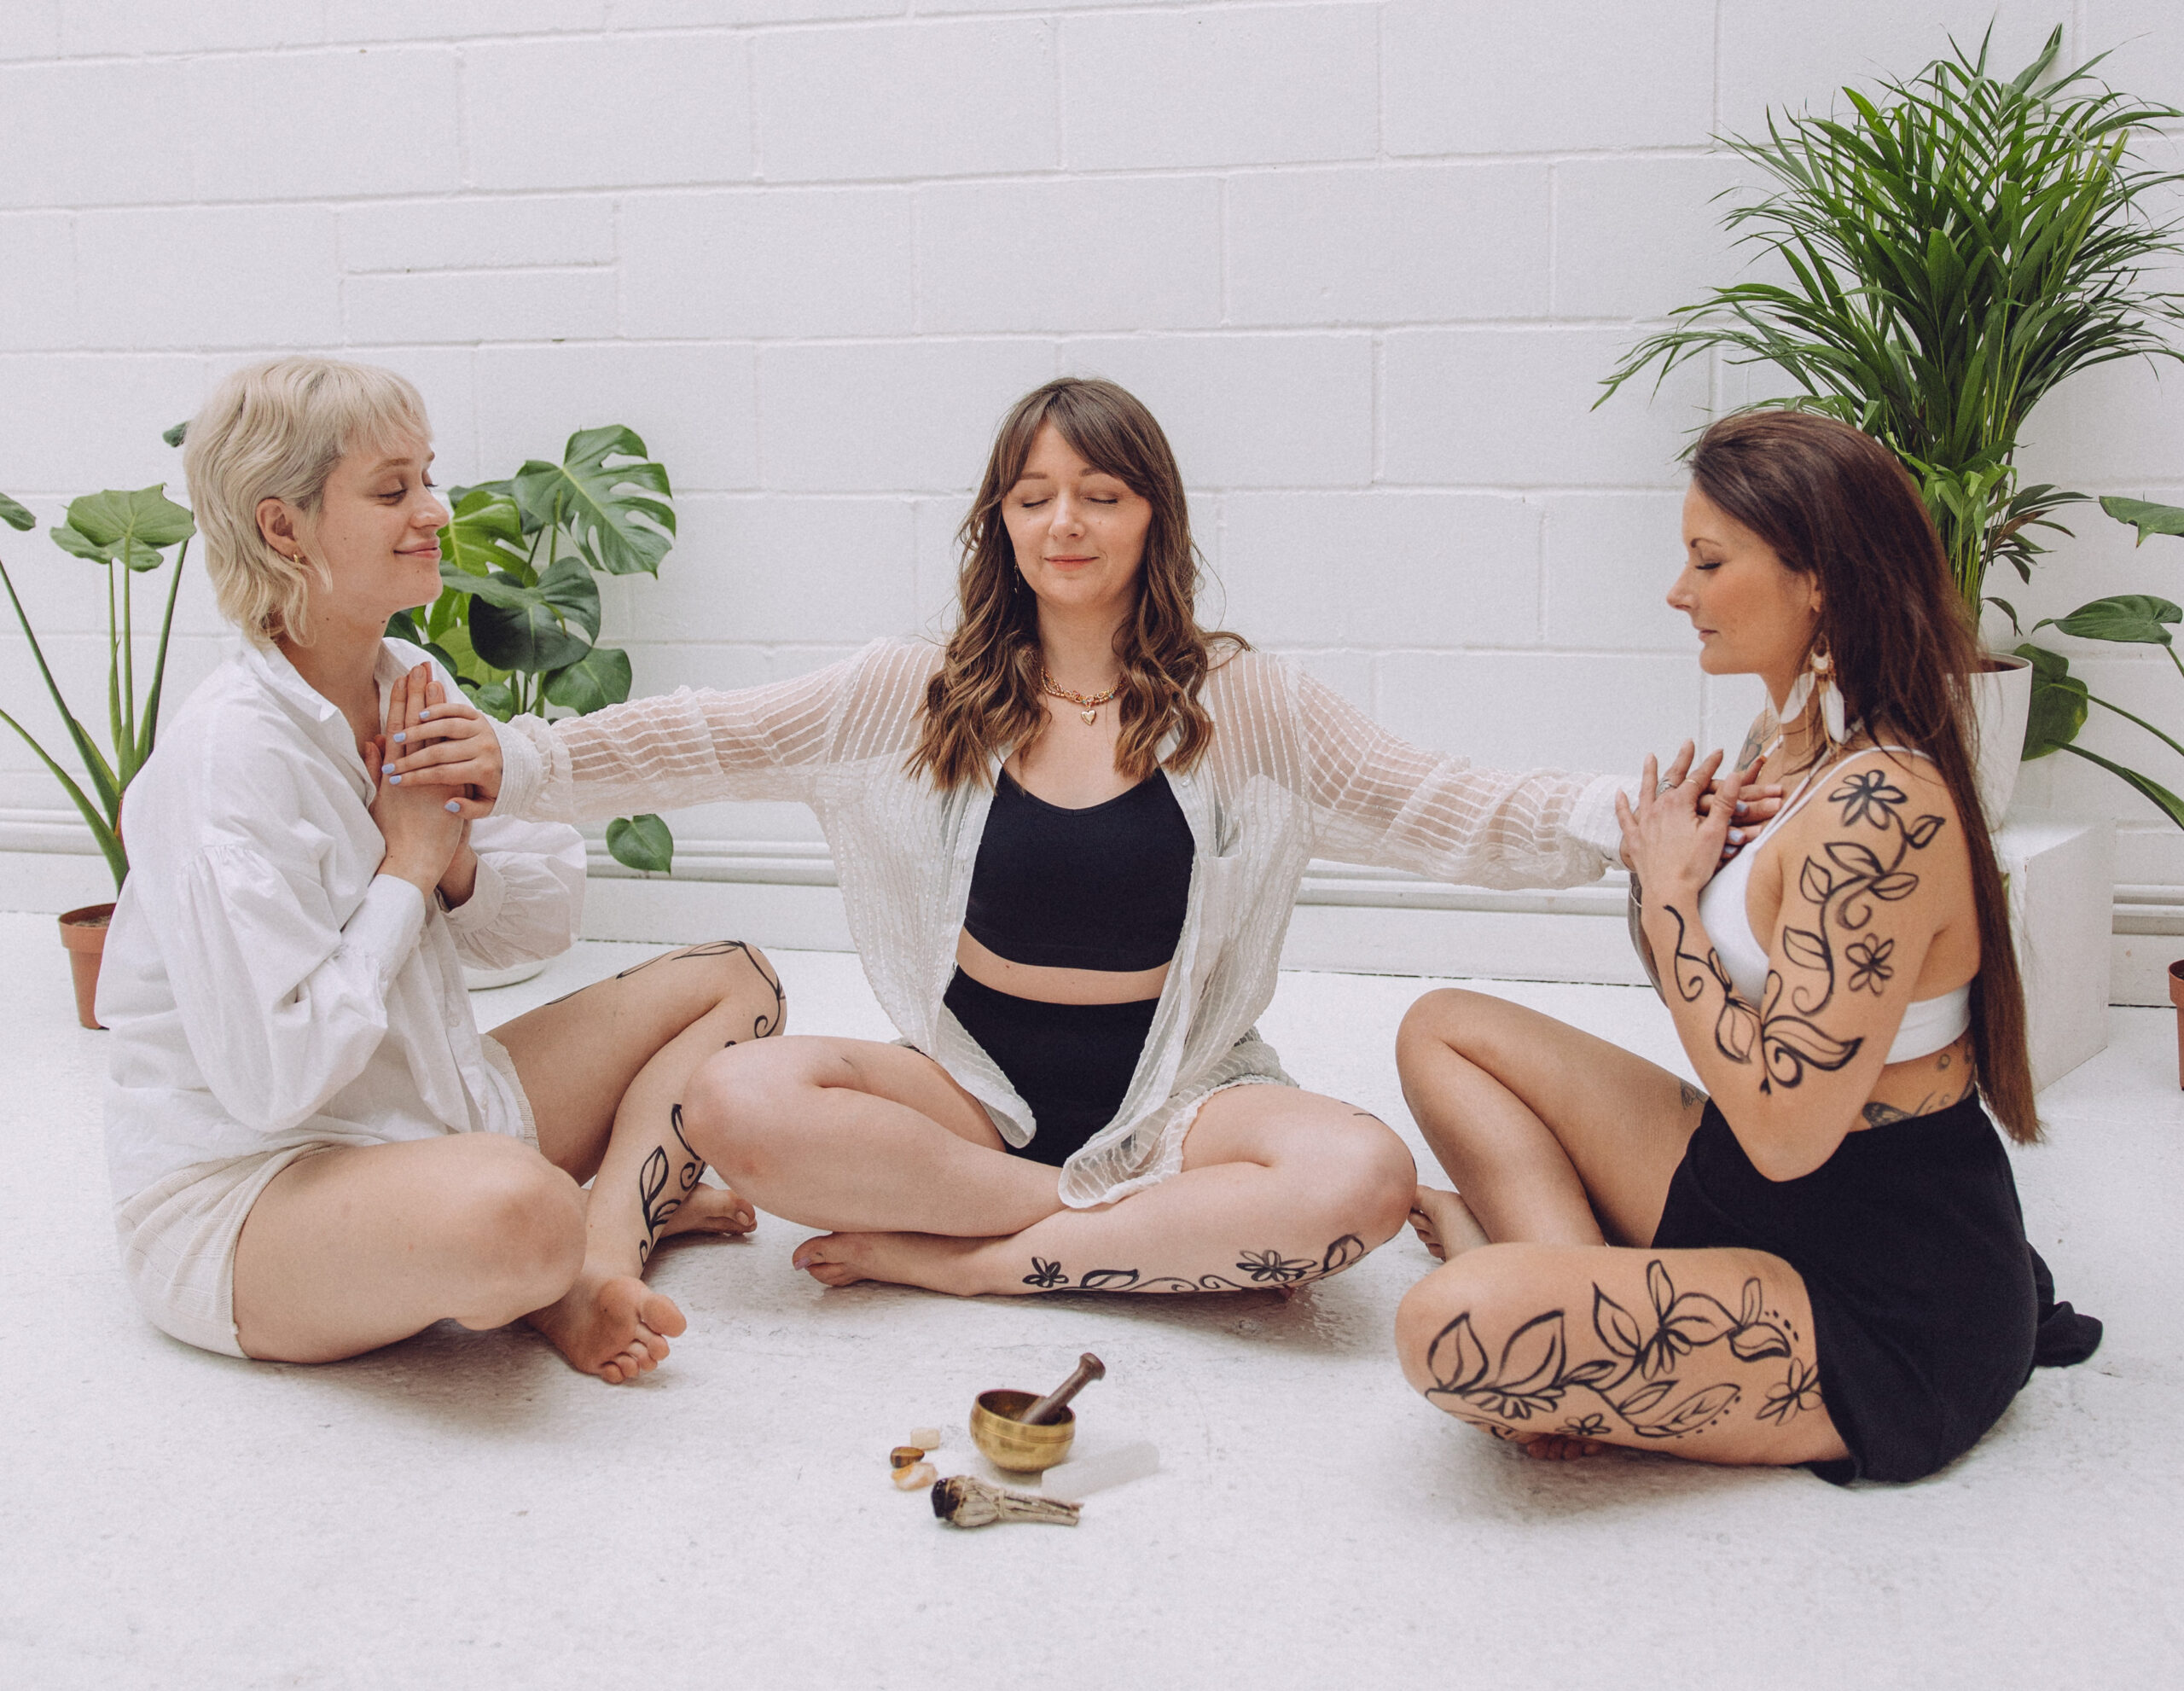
column 463, row 1510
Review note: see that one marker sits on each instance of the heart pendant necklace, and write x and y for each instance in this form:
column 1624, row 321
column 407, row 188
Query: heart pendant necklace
column 1088, row 707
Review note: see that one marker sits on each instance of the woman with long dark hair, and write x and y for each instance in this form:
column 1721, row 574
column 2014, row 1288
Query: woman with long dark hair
column 1819, row 1258
column 1069, row 843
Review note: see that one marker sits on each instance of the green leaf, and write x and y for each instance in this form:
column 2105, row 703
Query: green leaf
column 469, row 668
column 109, row 842
column 608, row 511
column 2143, row 514
column 2131, row 618
column 505, row 490
column 117, row 528
column 484, row 534
column 403, row 626
column 2169, row 804
column 515, row 627
column 176, row 435
column 14, row 515
column 598, row 679
column 450, row 610
column 496, row 699
column 2059, row 703
column 641, row 843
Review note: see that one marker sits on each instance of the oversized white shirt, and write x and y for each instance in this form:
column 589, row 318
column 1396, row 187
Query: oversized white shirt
column 1294, row 772
column 263, row 984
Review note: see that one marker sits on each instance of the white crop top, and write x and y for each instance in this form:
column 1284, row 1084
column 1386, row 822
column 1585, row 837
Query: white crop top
column 1928, row 1026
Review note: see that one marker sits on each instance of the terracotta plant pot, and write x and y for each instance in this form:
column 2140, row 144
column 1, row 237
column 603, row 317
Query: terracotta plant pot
column 2176, row 997
column 84, row 932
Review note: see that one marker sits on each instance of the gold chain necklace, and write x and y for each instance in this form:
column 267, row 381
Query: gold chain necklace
column 1088, row 708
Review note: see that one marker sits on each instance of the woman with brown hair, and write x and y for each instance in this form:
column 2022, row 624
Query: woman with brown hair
column 1819, row 1259
column 1068, row 846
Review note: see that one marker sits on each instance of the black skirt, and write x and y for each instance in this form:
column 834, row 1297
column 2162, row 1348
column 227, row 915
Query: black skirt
column 1071, row 1063
column 1927, row 1303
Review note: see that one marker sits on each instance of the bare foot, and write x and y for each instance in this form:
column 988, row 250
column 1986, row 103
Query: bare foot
column 1546, row 1447
column 614, row 1326
column 712, row 1209
column 1560, row 1447
column 929, row 1260
column 1445, row 1224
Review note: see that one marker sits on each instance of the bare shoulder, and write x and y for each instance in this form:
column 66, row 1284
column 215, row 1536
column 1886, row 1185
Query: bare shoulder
column 1881, row 821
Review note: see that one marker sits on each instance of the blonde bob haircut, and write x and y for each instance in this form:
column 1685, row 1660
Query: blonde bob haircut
column 275, row 431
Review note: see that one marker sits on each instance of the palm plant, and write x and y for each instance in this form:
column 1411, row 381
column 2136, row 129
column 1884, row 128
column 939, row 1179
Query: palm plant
column 128, row 533
column 1955, row 249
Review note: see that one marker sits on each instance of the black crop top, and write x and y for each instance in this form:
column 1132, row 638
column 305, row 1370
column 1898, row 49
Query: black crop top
column 1100, row 888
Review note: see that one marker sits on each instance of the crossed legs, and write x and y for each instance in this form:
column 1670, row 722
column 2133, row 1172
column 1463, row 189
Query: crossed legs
column 354, row 1247
column 876, row 1144
column 1553, row 1323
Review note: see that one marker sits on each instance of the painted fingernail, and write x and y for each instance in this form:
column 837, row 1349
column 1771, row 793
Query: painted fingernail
column 395, row 779
column 425, row 712
column 1736, row 836
column 401, row 737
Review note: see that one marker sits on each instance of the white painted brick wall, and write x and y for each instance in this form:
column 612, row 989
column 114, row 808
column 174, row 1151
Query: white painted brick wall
column 1367, row 259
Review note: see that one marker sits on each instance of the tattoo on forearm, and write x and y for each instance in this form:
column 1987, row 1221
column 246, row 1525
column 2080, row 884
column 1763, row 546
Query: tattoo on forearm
column 1845, row 882
column 1263, row 1269
column 1642, row 1383
column 659, row 1173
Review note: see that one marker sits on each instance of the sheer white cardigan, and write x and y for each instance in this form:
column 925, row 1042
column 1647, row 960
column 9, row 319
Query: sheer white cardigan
column 1294, row 772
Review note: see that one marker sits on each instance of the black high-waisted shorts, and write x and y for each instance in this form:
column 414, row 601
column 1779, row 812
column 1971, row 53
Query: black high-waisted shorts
column 1913, row 1248
column 1070, row 1063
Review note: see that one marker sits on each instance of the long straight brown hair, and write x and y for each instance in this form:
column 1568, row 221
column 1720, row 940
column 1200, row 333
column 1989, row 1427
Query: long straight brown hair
column 1834, row 503
column 986, row 695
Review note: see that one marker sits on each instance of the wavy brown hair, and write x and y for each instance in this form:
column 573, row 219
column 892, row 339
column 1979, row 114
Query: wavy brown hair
column 986, row 694
column 1836, row 504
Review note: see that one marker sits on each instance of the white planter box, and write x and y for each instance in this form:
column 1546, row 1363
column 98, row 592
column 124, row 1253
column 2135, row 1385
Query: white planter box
column 2062, row 888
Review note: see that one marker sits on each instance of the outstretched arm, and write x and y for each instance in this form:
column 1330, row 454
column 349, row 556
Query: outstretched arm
column 684, row 747
column 1377, row 799
column 1860, row 909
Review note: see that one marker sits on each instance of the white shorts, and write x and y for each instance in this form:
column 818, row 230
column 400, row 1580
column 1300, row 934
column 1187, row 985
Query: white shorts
column 178, row 1234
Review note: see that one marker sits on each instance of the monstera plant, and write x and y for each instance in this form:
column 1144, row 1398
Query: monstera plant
column 128, row 535
column 517, row 621
column 2061, row 701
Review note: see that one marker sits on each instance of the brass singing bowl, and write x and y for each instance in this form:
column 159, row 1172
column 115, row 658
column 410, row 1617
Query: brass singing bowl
column 1007, row 1443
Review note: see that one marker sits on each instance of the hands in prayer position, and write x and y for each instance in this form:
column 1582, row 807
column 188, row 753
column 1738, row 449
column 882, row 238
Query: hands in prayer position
column 444, row 746
column 426, row 827
column 1678, row 833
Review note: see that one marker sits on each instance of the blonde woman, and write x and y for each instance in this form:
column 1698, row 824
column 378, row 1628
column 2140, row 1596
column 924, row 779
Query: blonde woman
column 314, row 1152
column 1069, row 843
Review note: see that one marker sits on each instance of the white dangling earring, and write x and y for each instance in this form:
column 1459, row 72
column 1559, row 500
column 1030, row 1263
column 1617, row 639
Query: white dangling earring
column 1794, row 703
column 1831, row 713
